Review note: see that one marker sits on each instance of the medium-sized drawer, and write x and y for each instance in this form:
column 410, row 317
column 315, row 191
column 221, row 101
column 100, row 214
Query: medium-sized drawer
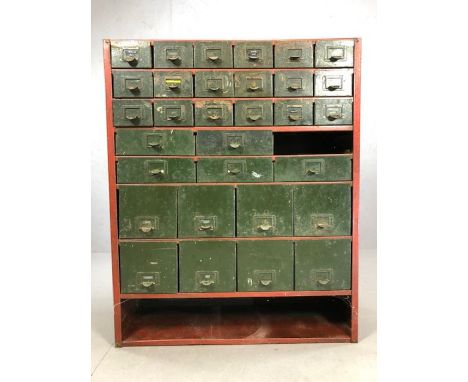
column 132, row 112
column 334, row 83
column 213, row 54
column 214, row 84
column 152, row 170
column 254, row 113
column 173, row 84
column 334, row 53
column 214, row 113
column 312, row 168
column 253, row 54
column 173, row 113
column 294, row 112
column 253, row 84
column 296, row 54
column 228, row 170
column 173, row 55
column 333, row 111
column 132, row 84
column 294, row 83
column 131, row 54
column 241, row 142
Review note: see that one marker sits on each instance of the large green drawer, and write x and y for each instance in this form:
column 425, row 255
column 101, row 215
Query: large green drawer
column 265, row 265
column 155, row 170
column 235, row 170
column 323, row 265
column 147, row 212
column 241, row 142
column 207, row 266
column 132, row 113
column 148, row 267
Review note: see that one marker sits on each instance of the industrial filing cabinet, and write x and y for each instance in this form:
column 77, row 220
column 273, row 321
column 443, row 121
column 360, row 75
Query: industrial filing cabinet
column 234, row 190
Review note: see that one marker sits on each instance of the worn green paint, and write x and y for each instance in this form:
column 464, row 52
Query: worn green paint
column 148, row 267
column 322, row 210
column 132, row 84
column 322, row 265
column 334, row 53
column 294, row 54
column 132, row 112
column 214, row 113
column 313, row 168
column 265, row 266
column 253, row 54
column 214, row 84
column 334, row 83
column 173, row 113
column 333, row 111
column 155, row 170
column 131, row 54
column 242, row 142
column 253, row 84
column 213, row 54
column 254, row 113
column 264, row 210
column 147, row 212
column 206, row 211
column 294, row 83
column 294, row 112
column 207, row 266
column 173, row 55
column 173, row 84
column 235, row 170
column 162, row 142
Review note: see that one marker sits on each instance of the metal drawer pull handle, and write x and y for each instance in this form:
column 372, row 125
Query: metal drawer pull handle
column 311, row 172
column 294, row 57
column 147, row 284
column 205, row 225
column 157, row 171
column 173, row 85
column 130, row 58
column 213, row 57
column 265, row 227
column 132, row 117
column 294, row 117
column 133, row 87
column 155, row 145
column 234, row 145
column 335, row 58
column 214, row 88
column 265, row 282
column 323, row 282
column 174, row 57
column 173, row 116
column 146, row 226
column 294, row 87
column 255, row 117
column 320, row 226
column 214, row 117
column 253, row 56
column 207, row 282
column 332, row 117
column 234, row 171
column 333, row 87
column 253, row 87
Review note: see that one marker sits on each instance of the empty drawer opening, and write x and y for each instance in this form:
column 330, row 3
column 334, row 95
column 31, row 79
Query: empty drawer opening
column 335, row 142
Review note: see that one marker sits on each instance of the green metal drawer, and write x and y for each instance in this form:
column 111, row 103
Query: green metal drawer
column 213, row 54
column 313, row 168
column 334, row 83
column 147, row 212
column 334, row 53
column 155, row 170
column 254, row 113
column 294, row 112
column 294, row 54
column 322, row 210
column 235, row 170
column 214, row 113
column 333, row 111
column 148, row 267
column 207, row 266
column 253, row 84
column 132, row 112
column 154, row 142
column 173, row 84
column 132, row 84
column 242, row 142
column 173, row 55
column 265, row 266
column 206, row 211
column 214, row 84
column 173, row 113
column 131, row 54
column 294, row 83
column 253, row 54
column 264, row 210
column 323, row 265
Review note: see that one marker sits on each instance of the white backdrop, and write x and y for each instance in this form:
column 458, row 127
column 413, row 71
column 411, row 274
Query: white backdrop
column 239, row 19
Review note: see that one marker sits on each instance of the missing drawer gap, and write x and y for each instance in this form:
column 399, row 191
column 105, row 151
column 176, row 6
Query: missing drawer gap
column 334, row 142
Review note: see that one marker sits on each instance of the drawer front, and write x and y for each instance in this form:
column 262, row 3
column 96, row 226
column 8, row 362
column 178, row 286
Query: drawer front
column 294, row 55
column 254, row 113
column 132, row 84
column 173, row 113
column 155, row 170
column 206, row 211
column 213, row 54
column 131, row 54
column 294, row 112
column 294, row 83
column 214, row 84
column 148, row 267
column 305, row 169
column 264, row 211
column 265, row 266
column 334, row 112
column 173, row 55
column 323, row 265
column 173, row 142
column 132, row 112
column 173, row 84
column 147, row 212
column 322, row 210
column 207, row 266
column 253, row 54
column 214, row 113
column 234, row 142
column 334, row 54
column 235, row 170
column 253, row 84
column 334, row 83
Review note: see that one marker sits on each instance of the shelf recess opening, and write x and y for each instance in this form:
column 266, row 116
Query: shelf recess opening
column 299, row 143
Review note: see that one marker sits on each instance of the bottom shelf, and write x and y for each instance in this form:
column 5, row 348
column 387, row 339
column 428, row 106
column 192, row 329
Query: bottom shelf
column 236, row 321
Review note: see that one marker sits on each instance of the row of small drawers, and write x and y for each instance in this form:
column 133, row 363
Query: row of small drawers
column 247, row 210
column 291, row 112
column 285, row 83
column 203, row 266
column 227, row 54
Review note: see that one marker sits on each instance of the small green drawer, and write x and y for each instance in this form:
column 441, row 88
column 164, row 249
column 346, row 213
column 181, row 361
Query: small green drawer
column 253, row 84
column 294, row 54
column 333, row 111
column 214, row 113
column 253, row 54
column 254, row 113
column 235, row 170
column 214, row 84
column 213, row 54
column 294, row 83
column 173, row 55
column 242, row 142
column 334, row 83
column 132, row 84
column 132, row 113
column 173, row 113
column 131, row 54
column 155, row 170
column 334, row 53
column 173, row 84
column 294, row 112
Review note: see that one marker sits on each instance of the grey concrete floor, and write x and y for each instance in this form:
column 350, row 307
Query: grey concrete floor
column 256, row 363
